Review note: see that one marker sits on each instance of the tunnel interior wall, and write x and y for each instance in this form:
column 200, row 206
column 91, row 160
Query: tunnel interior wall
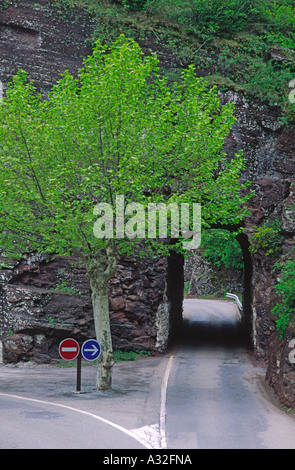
column 175, row 288
column 248, row 324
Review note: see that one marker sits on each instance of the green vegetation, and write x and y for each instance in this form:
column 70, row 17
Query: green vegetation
column 63, row 287
column 285, row 287
column 267, row 238
column 120, row 355
column 220, row 247
column 66, row 364
column 210, row 17
column 4, row 5
column 245, row 45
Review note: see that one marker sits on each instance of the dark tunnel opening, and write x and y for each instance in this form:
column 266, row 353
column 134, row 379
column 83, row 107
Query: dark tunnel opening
column 191, row 333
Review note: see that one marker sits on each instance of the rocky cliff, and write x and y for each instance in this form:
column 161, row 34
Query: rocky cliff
column 38, row 38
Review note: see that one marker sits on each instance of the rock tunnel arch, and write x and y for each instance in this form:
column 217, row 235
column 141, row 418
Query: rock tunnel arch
column 175, row 292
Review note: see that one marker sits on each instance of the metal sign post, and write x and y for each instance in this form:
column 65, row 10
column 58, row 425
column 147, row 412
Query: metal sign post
column 69, row 349
column 79, row 367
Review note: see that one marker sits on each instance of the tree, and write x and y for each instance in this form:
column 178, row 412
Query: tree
column 117, row 129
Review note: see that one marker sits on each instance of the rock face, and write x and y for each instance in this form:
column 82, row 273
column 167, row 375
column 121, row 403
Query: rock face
column 43, row 40
column 44, row 301
column 269, row 148
column 204, row 279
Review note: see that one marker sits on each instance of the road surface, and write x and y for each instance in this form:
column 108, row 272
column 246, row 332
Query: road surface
column 214, row 395
column 27, row 424
column 206, row 394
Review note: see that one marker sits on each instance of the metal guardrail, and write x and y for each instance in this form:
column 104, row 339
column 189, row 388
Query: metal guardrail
column 236, row 298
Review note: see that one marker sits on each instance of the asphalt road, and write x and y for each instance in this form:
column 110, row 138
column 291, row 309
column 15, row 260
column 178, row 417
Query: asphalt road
column 215, row 396
column 206, row 394
column 42, row 425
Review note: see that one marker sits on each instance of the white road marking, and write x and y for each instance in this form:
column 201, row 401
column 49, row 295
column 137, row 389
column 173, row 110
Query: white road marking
column 163, row 404
column 99, row 418
column 149, row 434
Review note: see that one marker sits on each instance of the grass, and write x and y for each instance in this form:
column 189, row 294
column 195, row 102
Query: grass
column 119, row 356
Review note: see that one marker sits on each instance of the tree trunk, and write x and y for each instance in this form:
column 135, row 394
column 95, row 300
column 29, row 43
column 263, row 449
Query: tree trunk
column 100, row 303
column 99, row 275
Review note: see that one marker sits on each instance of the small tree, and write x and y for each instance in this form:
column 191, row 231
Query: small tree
column 118, row 129
column 285, row 287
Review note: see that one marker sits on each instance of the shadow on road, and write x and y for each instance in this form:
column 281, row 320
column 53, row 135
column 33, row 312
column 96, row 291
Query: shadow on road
column 211, row 335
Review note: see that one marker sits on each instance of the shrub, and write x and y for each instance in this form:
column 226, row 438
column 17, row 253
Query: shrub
column 129, row 355
column 267, row 237
column 221, row 248
column 285, row 309
column 210, row 16
column 133, row 5
column 281, row 15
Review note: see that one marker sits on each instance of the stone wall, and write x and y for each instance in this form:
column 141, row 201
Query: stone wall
column 44, row 300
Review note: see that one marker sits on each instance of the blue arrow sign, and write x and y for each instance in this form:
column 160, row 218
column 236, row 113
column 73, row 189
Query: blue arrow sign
column 91, row 350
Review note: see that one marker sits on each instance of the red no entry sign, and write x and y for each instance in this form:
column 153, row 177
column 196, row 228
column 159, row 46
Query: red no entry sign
column 69, row 349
